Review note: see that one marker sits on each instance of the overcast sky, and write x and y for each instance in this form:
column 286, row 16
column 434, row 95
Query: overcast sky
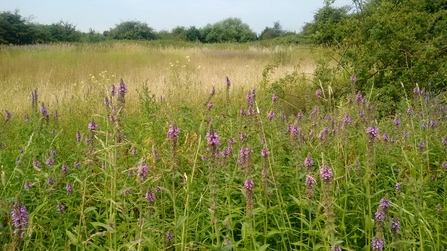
column 102, row 15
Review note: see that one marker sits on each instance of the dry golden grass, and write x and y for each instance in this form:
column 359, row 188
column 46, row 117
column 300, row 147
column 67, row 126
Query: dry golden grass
column 63, row 72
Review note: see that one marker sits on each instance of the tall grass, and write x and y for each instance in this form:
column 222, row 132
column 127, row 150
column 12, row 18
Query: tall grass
column 269, row 163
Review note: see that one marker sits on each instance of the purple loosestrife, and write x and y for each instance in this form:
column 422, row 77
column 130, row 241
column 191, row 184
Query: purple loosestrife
column 69, row 188
column 28, row 185
column 377, row 244
column 372, row 132
column 150, row 196
column 44, row 112
column 142, row 170
column 310, row 186
column 60, row 207
column 249, row 185
column 169, row 237
column 212, row 138
column 271, row 115
column 265, row 171
column 49, row 162
column 78, row 137
column 34, row 97
column 172, row 135
column 8, row 116
column 326, row 176
column 319, row 93
column 228, row 91
column 19, row 216
column 92, row 126
column 308, row 161
column 64, row 168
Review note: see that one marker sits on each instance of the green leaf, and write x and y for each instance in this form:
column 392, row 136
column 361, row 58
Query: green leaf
column 72, row 237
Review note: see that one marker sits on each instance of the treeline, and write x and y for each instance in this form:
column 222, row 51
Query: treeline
column 390, row 45
column 17, row 30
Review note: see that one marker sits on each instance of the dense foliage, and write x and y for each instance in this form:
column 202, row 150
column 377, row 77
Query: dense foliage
column 387, row 43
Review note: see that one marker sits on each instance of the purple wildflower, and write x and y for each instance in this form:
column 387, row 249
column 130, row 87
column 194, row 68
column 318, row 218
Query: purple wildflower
column 231, row 141
column 77, row 164
column 19, row 216
column 372, row 131
column 438, row 207
column 396, row 121
column 271, row 115
column 50, row 161
column 377, row 243
column 347, row 119
column 380, row 215
column 50, row 181
column 274, row 98
column 359, row 97
column 326, row 173
column 69, row 187
column 318, row 93
column 60, row 207
column 169, row 236
column 8, row 116
column 113, row 90
column 213, row 91
column 421, row 145
column 44, row 111
column 385, row 137
column 385, row 203
column 122, row 89
column 78, row 137
column 228, row 82
column 212, row 138
column 173, row 132
column 210, row 105
column 310, row 182
column 28, row 185
column 249, row 184
column 353, row 79
column 143, row 170
column 265, row 153
column 409, row 111
column 299, row 115
column 150, row 196
column 36, row 163
column 336, row 248
column 64, row 168
column 106, row 101
column 308, row 161
column 127, row 191
column 395, row 225
column 53, row 152
column 92, row 126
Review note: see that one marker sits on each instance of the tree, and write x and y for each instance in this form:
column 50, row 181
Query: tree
column 132, row 30
column 272, row 32
column 64, row 32
column 228, row 30
column 13, row 29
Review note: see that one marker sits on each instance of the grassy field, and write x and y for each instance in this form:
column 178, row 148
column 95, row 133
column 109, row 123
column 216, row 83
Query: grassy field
column 211, row 147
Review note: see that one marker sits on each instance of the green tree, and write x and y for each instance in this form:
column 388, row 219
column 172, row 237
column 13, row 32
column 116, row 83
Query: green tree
column 64, row 32
column 273, row 32
column 14, row 29
column 132, row 30
column 228, row 30
column 325, row 28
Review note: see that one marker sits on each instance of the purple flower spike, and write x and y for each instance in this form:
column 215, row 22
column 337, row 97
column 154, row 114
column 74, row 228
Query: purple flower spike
column 92, row 126
column 395, row 225
column 28, row 185
column 249, row 184
column 169, row 236
column 69, row 187
column 377, row 243
column 326, row 173
column 213, row 91
column 308, row 161
column 265, row 153
column 150, row 196
column 19, row 216
column 271, row 115
column 122, row 88
column 173, row 132
column 385, row 203
column 8, row 116
column 113, row 90
column 212, row 138
column 353, row 79
column 274, row 98
column 372, row 131
column 318, row 93
column 60, row 207
column 228, row 82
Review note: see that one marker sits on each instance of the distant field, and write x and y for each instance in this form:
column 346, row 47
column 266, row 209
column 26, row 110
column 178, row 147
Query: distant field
column 63, row 70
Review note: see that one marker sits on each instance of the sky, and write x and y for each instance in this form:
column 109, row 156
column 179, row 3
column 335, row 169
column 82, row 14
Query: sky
column 101, row 15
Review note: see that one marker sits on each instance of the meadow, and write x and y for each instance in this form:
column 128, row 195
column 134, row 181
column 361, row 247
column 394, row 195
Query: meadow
column 151, row 146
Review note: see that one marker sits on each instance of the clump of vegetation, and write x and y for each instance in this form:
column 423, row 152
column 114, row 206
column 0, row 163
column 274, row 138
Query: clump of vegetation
column 227, row 168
